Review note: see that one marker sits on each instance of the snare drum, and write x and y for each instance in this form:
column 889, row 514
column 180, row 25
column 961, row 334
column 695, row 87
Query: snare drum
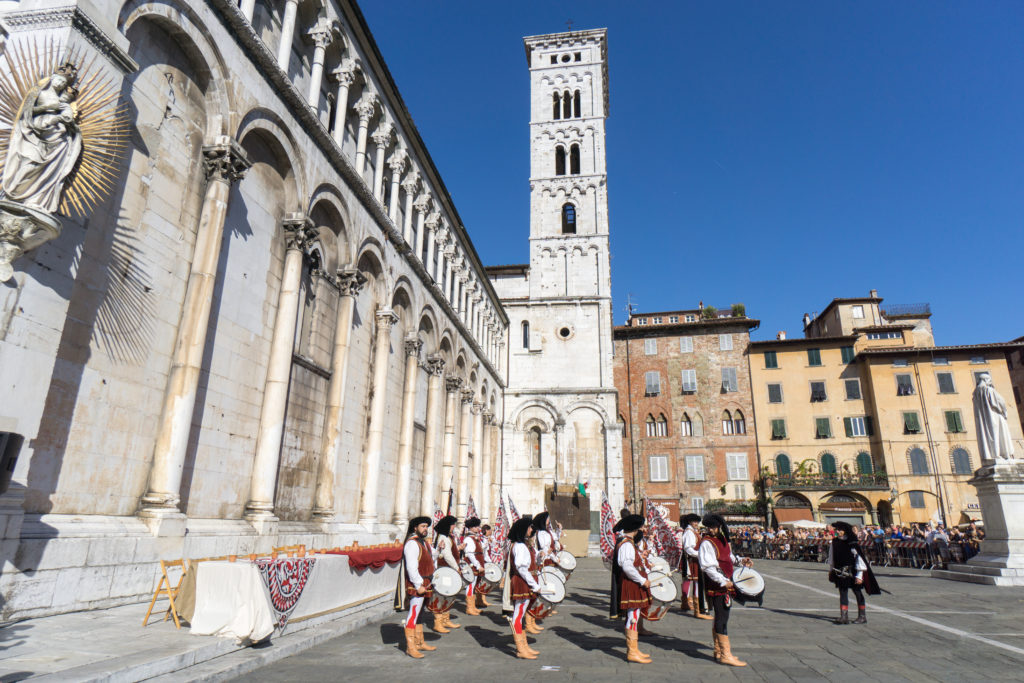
column 660, row 565
column 468, row 575
column 447, row 583
column 749, row 585
column 490, row 579
column 663, row 596
column 552, row 592
column 565, row 562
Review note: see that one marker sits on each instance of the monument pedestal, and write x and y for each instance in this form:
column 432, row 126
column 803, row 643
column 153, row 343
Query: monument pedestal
column 22, row 229
column 1001, row 560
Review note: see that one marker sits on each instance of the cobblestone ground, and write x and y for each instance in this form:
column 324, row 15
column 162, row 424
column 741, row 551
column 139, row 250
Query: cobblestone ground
column 925, row 630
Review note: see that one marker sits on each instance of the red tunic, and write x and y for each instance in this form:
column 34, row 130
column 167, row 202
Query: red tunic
column 520, row 589
column 723, row 553
column 425, row 568
column 455, row 553
column 633, row 595
column 479, row 555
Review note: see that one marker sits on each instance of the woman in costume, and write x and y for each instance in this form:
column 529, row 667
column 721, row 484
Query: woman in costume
column 718, row 562
column 848, row 568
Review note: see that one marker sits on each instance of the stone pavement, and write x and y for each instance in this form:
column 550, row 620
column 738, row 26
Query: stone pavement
column 926, row 630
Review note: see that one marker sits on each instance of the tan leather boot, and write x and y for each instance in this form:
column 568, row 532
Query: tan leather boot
column 419, row 639
column 530, row 624
column 439, row 624
column 471, row 609
column 522, row 649
column 483, row 600
column 727, row 656
column 718, row 646
column 633, row 653
column 695, row 607
column 448, row 621
column 410, row 644
column 684, row 604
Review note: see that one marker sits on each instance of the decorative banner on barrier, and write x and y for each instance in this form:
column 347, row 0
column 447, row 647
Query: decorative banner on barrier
column 607, row 524
column 285, row 580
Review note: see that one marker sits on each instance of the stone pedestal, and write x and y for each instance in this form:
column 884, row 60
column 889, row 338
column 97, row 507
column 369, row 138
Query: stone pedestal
column 1001, row 560
column 22, row 229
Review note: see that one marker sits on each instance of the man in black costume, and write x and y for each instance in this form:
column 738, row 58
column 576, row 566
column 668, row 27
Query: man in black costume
column 848, row 568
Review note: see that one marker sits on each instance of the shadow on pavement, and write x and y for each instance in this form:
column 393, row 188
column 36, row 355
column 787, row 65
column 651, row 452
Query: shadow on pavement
column 802, row 615
column 614, row 647
column 392, row 634
column 599, row 621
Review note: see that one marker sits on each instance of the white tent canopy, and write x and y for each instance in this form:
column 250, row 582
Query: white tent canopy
column 805, row 524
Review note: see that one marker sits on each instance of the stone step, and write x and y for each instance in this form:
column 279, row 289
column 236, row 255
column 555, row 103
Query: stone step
column 981, row 577
column 974, row 569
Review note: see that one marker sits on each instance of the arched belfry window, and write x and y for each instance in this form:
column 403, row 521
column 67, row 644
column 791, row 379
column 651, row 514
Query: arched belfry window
column 534, row 436
column 559, row 160
column 557, row 112
column 576, row 104
column 574, row 159
column 526, row 334
column 568, row 219
column 566, row 105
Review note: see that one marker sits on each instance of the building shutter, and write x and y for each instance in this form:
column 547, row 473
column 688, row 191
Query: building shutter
column 945, row 382
column 778, row 429
column 910, row 423
column 848, row 425
column 822, row 428
column 650, row 347
column 847, row 354
column 725, row 342
column 652, row 380
column 686, row 344
column 775, row 393
column 689, row 378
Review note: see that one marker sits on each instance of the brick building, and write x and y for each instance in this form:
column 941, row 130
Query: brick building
column 686, row 408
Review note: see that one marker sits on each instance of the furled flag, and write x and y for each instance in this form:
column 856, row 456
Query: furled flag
column 512, row 512
column 607, row 523
column 438, row 515
column 662, row 537
column 471, row 509
column 499, row 536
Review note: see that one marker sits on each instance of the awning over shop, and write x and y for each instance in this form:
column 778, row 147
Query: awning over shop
column 784, row 515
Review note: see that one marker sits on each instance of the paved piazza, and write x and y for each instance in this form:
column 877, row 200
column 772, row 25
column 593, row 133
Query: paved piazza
column 926, row 630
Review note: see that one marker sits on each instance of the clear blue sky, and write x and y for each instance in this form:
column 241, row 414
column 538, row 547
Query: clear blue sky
column 775, row 153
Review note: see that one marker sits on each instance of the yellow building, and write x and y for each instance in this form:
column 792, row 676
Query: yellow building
column 864, row 419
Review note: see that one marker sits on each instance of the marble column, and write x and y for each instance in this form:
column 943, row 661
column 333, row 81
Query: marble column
column 465, row 427
column 476, row 476
column 431, row 264
column 422, row 207
column 560, row 450
column 284, row 48
column 411, row 184
column 430, row 225
column 350, row 281
column 247, row 7
column 224, row 162
column 484, row 505
column 403, row 473
column 344, row 76
column 259, row 509
column 386, row 318
column 435, row 424
column 494, row 439
column 381, row 140
column 449, row 445
column 397, row 164
column 322, row 35
column 366, row 108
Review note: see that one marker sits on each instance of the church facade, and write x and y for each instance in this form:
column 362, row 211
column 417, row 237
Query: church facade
column 276, row 330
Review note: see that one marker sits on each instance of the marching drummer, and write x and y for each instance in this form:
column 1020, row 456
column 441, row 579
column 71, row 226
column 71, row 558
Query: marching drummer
column 448, row 555
column 718, row 562
column 414, row 583
column 485, row 542
column 474, row 554
column 694, row 593
column 521, row 585
column 630, row 587
column 544, row 539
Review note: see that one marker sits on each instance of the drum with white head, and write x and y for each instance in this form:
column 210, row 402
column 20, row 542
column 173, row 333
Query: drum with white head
column 565, row 563
column 490, row 579
column 749, row 585
column 663, row 595
column 467, row 572
column 447, row 583
column 552, row 592
column 659, row 564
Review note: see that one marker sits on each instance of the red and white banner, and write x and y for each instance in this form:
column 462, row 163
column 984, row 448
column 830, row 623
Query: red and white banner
column 607, row 524
column 499, row 536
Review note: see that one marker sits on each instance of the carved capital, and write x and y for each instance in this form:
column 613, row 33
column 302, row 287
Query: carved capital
column 366, row 107
column 435, row 366
column 478, row 408
column 225, row 160
column 350, row 281
column 298, row 231
column 467, row 396
column 386, row 318
column 452, row 384
column 413, row 346
column 423, row 202
column 411, row 183
column 398, row 161
column 323, row 33
column 345, row 73
column 433, row 220
column 382, row 136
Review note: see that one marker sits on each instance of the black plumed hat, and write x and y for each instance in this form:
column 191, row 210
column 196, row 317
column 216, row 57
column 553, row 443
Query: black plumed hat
column 472, row 523
column 630, row 523
column 540, row 521
column 517, row 534
column 444, row 527
column 415, row 522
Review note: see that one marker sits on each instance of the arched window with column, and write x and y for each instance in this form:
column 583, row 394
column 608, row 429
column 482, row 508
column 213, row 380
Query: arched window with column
column 661, row 425
column 557, row 109
column 534, row 437
column 576, row 104
column 685, row 426
column 559, row 160
column 649, row 426
column 526, row 334
column 727, row 426
column 568, row 219
column 739, row 424
column 574, row 159
column 566, row 105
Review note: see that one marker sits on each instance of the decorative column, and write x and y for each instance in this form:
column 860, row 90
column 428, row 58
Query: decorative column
column 559, row 449
column 422, row 207
column 435, row 369
column 431, row 224
column 224, row 163
column 350, row 281
column 494, row 439
column 344, row 76
column 260, row 508
column 446, row 269
column 397, row 164
column 284, row 48
column 247, row 7
column 451, row 412
column 381, row 139
column 404, row 470
column 485, row 467
column 386, row 318
column 366, row 108
column 431, row 264
column 476, row 480
column 411, row 184
column 465, row 426
column 322, row 34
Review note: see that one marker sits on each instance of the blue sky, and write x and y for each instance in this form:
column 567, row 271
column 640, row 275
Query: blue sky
column 775, row 153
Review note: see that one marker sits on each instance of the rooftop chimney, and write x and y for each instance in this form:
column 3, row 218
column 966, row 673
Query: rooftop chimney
column 874, row 293
column 781, row 336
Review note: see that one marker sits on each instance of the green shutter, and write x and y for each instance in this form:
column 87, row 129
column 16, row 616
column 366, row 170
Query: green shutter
column 848, row 425
column 951, row 421
column 778, row 429
column 770, row 359
column 814, row 356
column 869, row 425
column 847, row 354
column 822, row 428
column 910, row 422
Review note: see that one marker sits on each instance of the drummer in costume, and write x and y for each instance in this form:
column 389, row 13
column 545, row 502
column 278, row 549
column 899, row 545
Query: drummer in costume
column 630, row 588
column 718, row 563
column 545, row 541
column 694, row 591
column 413, row 589
column 848, row 568
column 485, row 543
column 448, row 555
column 521, row 585
column 474, row 555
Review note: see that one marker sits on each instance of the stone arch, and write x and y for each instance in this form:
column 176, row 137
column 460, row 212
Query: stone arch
column 428, row 332
column 328, row 209
column 791, row 497
column 274, row 133
column 840, row 496
column 402, row 304
column 371, row 263
column 592, row 405
column 446, row 348
column 180, row 21
column 538, row 402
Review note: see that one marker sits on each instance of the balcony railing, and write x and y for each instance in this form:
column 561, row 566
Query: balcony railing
column 895, row 310
column 877, row 480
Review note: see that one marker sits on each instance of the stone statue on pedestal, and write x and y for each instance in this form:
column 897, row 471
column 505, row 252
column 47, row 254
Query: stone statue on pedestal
column 992, row 426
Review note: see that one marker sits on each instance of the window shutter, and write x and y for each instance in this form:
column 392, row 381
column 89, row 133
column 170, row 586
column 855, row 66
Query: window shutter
column 771, row 360
column 778, row 429
column 822, row 427
column 848, row 425
column 725, row 342
column 847, row 354
column 650, row 347
column 869, row 425
column 910, row 422
column 686, row 344
column 814, row 356
column 775, row 393
column 950, row 421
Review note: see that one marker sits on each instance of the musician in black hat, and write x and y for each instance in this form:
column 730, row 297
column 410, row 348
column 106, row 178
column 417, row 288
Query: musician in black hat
column 848, row 568
column 694, row 592
column 521, row 586
column 474, row 555
column 414, row 588
column 718, row 562
column 631, row 591
column 448, row 553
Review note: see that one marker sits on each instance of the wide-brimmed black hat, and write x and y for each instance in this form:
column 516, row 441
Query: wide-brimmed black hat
column 845, row 526
column 472, row 523
column 711, row 520
column 415, row 522
column 630, row 523
column 444, row 527
column 689, row 518
column 517, row 534
column 540, row 521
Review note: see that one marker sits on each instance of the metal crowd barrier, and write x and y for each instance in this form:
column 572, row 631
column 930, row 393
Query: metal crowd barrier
column 916, row 554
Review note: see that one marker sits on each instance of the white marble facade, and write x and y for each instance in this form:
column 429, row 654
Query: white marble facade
column 275, row 331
